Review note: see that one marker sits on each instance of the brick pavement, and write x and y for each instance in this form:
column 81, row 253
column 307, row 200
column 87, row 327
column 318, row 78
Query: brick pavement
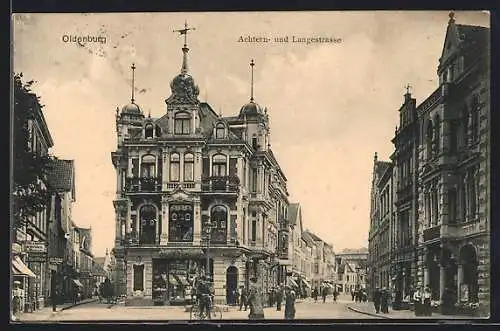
column 368, row 308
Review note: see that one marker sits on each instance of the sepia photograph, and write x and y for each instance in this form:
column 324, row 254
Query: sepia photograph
column 212, row 166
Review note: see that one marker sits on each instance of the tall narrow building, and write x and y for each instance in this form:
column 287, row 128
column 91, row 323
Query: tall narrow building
column 197, row 193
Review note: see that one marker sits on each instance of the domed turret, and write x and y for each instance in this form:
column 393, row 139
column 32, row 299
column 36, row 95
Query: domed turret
column 183, row 84
column 132, row 108
column 251, row 109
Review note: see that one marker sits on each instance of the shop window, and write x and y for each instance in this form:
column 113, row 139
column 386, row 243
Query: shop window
column 148, row 165
column 182, row 123
column 174, row 167
column 188, row 167
column 219, row 165
column 148, row 224
column 181, row 223
column 218, row 216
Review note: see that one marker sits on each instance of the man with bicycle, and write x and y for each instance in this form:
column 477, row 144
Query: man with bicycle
column 204, row 294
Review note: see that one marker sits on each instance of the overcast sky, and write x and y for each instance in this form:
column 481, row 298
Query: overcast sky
column 331, row 105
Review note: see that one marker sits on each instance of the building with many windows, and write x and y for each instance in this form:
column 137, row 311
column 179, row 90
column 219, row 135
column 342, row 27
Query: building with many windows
column 197, row 193
column 440, row 234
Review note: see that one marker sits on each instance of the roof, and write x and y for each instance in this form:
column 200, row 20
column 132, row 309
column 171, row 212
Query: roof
column 307, row 237
column 61, row 175
column 313, row 236
column 473, row 34
column 293, row 210
column 381, row 167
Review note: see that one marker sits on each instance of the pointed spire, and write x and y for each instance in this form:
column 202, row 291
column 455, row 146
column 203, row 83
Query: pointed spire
column 375, row 157
column 149, row 113
column 451, row 15
column 408, row 88
column 252, row 64
column 185, row 49
column 133, row 81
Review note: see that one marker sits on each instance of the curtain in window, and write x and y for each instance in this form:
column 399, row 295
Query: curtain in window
column 188, row 167
column 182, row 123
column 148, row 166
column 219, row 165
column 174, row 167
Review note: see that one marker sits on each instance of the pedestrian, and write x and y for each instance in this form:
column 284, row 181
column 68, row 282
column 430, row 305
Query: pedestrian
column 384, row 301
column 237, row 298
column 352, row 294
column 17, row 299
column 377, row 297
column 270, row 297
column 244, row 298
column 417, row 302
column 324, row 293
column 55, row 295
column 335, row 295
column 427, row 301
column 255, row 300
column 289, row 303
column 279, row 297
column 448, row 300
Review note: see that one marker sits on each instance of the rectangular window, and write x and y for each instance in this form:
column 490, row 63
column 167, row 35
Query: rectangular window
column 233, row 171
column 219, row 169
column 452, row 206
column 182, row 125
column 188, row 171
column 254, row 143
column 254, row 230
column 148, row 170
column 138, row 277
column 135, row 167
column 435, row 208
column 206, row 167
column 253, row 174
column 174, row 171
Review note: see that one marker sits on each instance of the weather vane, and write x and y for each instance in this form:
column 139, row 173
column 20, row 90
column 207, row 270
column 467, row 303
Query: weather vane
column 185, row 32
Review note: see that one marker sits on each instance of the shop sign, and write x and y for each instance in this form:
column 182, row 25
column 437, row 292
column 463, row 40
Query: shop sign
column 37, row 257
column 55, row 260
column 36, row 246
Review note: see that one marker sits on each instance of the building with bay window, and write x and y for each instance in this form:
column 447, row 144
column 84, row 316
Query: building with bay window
column 197, row 193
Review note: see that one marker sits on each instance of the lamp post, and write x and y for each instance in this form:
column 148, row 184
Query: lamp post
column 208, row 236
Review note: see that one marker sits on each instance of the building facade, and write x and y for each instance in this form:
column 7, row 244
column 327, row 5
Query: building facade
column 381, row 225
column 440, row 235
column 197, row 193
column 352, row 269
column 454, row 170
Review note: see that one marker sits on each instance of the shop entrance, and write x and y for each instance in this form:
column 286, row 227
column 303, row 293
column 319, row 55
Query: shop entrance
column 231, row 285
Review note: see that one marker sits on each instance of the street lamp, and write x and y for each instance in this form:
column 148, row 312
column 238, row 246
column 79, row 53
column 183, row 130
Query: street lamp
column 208, row 236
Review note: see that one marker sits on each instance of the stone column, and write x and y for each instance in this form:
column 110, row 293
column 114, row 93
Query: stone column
column 197, row 219
column 118, row 229
column 164, row 223
column 118, row 183
column 165, row 175
column 442, row 280
column 460, row 278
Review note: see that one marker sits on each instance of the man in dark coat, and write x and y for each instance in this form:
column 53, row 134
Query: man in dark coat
column 279, row 297
column 324, row 293
column 384, row 302
column 289, row 303
column 377, row 296
column 255, row 300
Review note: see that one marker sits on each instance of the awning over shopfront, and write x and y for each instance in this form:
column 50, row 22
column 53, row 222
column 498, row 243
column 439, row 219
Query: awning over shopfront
column 292, row 282
column 20, row 269
column 77, row 282
column 305, row 282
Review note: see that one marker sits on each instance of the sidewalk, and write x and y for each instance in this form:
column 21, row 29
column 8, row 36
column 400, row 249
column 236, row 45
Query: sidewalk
column 367, row 308
column 46, row 313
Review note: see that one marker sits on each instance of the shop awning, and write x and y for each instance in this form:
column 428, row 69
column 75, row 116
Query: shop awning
column 20, row 269
column 292, row 282
column 77, row 282
column 306, row 283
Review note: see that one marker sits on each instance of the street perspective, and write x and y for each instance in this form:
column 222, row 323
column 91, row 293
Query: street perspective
column 208, row 167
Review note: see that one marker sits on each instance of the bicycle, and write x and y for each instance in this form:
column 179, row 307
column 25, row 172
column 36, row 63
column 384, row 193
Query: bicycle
column 214, row 312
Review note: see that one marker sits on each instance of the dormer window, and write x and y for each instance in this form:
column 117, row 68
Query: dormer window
column 182, row 123
column 148, row 131
column 220, row 131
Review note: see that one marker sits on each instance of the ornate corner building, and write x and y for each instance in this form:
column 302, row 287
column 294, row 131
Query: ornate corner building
column 197, row 193
column 440, row 224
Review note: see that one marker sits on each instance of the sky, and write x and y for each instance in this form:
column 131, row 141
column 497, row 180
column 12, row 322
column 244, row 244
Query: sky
column 331, row 105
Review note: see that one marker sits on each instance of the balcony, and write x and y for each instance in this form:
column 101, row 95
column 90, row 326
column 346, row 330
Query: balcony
column 143, row 184
column 460, row 230
column 223, row 184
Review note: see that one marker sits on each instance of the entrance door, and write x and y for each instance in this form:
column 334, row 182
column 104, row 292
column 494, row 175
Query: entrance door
column 231, row 285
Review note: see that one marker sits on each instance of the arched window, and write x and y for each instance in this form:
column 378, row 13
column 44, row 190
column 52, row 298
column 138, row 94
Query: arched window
column 428, row 137
column 182, row 123
column 218, row 218
column 220, row 131
column 475, row 117
column 437, row 135
column 219, row 165
column 180, row 223
column 148, row 224
column 148, row 165
column 188, row 167
column 174, row 167
column 148, row 130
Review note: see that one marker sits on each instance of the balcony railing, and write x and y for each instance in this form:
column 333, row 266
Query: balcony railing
column 143, row 184
column 220, row 184
column 432, row 233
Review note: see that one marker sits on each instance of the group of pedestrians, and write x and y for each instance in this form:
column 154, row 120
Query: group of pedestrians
column 422, row 302
column 324, row 293
column 359, row 295
column 254, row 300
column 381, row 300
